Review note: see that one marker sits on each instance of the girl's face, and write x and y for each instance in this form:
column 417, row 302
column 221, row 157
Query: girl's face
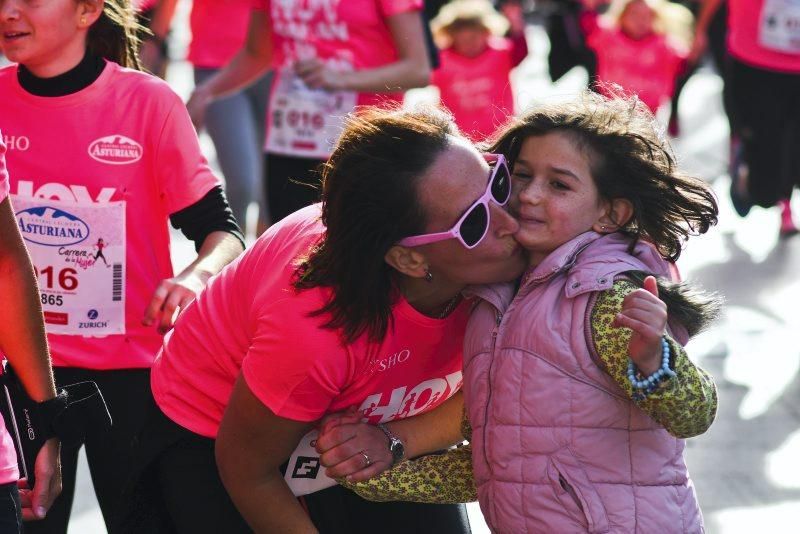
column 554, row 197
column 47, row 36
column 637, row 20
column 470, row 40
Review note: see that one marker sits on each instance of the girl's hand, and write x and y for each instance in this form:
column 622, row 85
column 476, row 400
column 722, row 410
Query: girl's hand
column 512, row 10
column 171, row 295
column 36, row 501
column 646, row 315
column 316, row 75
column 343, row 441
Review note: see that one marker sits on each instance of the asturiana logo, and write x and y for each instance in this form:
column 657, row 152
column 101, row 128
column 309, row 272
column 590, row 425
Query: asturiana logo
column 115, row 150
column 52, row 227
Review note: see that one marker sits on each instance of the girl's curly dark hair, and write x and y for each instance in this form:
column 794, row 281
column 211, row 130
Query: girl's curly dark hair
column 629, row 158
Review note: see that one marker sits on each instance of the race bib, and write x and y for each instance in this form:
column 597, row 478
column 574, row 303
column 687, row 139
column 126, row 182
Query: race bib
column 305, row 122
column 779, row 27
column 78, row 252
column 304, row 473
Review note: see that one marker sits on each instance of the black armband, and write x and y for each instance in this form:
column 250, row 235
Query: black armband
column 65, row 417
column 209, row 214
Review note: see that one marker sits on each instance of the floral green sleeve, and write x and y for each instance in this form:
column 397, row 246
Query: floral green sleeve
column 438, row 478
column 686, row 404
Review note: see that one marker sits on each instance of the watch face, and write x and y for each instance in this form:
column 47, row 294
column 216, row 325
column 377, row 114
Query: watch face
column 397, row 449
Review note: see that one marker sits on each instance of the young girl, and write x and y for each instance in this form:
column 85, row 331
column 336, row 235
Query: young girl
column 578, row 400
column 642, row 48
column 476, row 62
column 101, row 155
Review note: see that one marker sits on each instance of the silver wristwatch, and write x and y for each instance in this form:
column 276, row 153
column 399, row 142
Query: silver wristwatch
column 396, row 446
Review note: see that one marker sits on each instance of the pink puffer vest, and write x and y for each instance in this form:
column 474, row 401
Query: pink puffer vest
column 557, row 446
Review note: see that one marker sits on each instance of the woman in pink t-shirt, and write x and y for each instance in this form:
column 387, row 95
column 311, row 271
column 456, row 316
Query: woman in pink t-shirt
column 331, row 308
column 764, row 99
column 23, row 344
column 328, row 57
column 99, row 150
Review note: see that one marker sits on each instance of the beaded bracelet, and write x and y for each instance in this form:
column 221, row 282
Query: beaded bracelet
column 647, row 385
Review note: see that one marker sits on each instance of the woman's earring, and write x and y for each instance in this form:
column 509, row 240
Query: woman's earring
column 428, row 275
column 83, row 21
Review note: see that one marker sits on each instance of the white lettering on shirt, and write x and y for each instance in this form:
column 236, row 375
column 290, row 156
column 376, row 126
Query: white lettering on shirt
column 65, row 193
column 17, row 142
column 404, row 403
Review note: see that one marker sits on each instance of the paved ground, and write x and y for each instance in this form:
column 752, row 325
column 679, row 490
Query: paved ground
column 744, row 468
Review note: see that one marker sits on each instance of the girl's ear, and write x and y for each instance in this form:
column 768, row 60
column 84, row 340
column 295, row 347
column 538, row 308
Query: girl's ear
column 89, row 11
column 617, row 214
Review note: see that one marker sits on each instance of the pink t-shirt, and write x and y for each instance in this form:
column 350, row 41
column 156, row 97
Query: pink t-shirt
column 646, row 67
column 219, row 29
column 125, row 138
column 477, row 90
column 349, row 34
column 8, row 456
column 764, row 41
column 250, row 319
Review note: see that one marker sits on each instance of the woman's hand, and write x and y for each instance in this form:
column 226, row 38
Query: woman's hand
column 198, row 104
column 36, row 501
column 171, row 295
column 316, row 75
column 343, row 443
column 646, row 315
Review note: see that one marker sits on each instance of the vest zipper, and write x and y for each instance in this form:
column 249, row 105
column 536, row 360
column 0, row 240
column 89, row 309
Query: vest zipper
column 498, row 319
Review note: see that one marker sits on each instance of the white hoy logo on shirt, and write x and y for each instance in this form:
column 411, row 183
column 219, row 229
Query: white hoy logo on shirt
column 116, row 150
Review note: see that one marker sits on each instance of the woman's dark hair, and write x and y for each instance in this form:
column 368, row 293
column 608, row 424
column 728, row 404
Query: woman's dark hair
column 115, row 35
column 628, row 159
column 369, row 203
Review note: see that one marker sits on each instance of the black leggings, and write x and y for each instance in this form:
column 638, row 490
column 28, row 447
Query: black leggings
column 767, row 121
column 291, row 184
column 109, row 452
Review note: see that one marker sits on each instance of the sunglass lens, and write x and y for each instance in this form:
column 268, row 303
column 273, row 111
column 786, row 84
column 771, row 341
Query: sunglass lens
column 474, row 226
column 501, row 185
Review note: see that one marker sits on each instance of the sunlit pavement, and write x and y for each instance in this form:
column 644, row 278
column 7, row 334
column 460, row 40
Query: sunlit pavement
column 745, row 468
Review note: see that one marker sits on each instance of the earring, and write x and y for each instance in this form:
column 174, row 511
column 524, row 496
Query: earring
column 428, row 275
column 83, row 21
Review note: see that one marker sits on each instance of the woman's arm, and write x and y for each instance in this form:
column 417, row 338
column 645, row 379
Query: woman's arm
column 340, row 443
column 247, row 66
column 218, row 249
column 23, row 342
column 686, row 404
column 251, row 445
column 412, row 68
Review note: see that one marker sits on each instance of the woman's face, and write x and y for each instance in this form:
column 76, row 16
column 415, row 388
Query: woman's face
column 47, row 36
column 553, row 195
column 454, row 181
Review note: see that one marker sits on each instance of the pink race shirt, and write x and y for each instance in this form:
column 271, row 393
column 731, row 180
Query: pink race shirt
column 250, row 320
column 646, row 67
column 94, row 178
column 477, row 90
column 347, row 35
column 8, row 456
column 765, row 33
column 219, row 29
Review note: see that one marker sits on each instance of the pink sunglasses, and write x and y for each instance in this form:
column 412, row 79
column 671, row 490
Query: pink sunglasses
column 473, row 226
